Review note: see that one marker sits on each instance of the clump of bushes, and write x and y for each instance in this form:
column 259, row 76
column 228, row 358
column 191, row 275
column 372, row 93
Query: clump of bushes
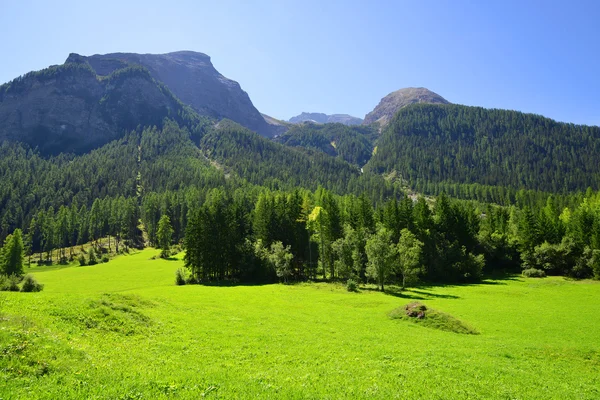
column 351, row 285
column 534, row 273
column 92, row 257
column 180, row 277
column 12, row 283
column 105, row 259
column 82, row 261
column 30, row 284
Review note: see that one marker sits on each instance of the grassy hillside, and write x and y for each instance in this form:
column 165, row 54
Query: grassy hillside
column 123, row 330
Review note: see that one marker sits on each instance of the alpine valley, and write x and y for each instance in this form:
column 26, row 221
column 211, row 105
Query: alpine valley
column 124, row 176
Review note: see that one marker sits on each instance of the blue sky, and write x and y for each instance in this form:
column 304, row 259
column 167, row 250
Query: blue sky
column 339, row 56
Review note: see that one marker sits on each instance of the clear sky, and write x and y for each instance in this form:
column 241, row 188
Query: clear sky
column 339, row 56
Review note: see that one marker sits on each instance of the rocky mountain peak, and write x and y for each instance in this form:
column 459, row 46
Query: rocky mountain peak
column 390, row 104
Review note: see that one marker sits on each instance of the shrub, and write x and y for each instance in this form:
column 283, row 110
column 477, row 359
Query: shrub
column 30, row 284
column 180, row 277
column 534, row 273
column 92, row 257
column 191, row 280
column 351, row 285
column 105, row 259
column 82, row 261
column 12, row 283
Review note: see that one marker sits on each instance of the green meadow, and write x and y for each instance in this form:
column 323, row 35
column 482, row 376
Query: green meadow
column 124, row 330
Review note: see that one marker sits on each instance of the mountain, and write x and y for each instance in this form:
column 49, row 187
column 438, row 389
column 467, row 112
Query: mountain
column 68, row 108
column 427, row 145
column 321, row 118
column 390, row 104
column 277, row 127
column 192, row 77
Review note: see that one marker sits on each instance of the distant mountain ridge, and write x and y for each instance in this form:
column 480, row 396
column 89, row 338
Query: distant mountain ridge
column 393, row 102
column 322, row 118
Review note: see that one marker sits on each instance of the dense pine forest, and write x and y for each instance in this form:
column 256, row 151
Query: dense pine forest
column 429, row 144
column 353, row 144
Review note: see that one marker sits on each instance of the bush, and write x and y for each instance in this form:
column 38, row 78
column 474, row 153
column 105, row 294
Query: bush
column 351, row 285
column 82, row 261
column 12, row 283
column 105, row 259
column 92, row 257
column 30, row 284
column 191, row 280
column 180, row 277
column 534, row 273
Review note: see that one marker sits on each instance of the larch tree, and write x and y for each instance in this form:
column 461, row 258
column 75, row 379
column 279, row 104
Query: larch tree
column 164, row 235
column 381, row 255
column 12, row 254
column 409, row 260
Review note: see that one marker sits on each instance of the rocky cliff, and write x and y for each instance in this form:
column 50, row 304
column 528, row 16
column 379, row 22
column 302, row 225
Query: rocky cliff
column 192, row 77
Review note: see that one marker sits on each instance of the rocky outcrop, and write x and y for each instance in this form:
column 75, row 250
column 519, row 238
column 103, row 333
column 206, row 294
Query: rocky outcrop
column 321, row 118
column 68, row 108
column 191, row 77
column 390, row 104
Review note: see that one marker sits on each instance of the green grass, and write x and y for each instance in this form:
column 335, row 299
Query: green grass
column 123, row 330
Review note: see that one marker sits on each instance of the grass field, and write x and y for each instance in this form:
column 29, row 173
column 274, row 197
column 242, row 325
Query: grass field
column 123, row 330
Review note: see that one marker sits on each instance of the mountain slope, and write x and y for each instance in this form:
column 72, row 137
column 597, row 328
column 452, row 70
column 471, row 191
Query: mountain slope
column 460, row 144
column 351, row 143
column 390, row 104
column 266, row 163
column 68, row 108
column 192, row 77
column 325, row 119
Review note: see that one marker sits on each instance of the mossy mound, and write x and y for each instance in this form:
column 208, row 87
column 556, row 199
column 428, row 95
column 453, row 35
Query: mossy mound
column 419, row 313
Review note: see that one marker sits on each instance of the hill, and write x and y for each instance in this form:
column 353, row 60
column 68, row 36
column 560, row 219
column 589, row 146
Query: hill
column 390, row 104
column 321, row 118
column 450, row 143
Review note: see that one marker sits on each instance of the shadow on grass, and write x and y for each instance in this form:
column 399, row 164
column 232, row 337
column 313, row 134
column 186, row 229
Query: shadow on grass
column 396, row 292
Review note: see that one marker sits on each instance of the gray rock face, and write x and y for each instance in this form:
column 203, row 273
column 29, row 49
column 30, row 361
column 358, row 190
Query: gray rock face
column 390, row 104
column 321, row 118
column 194, row 80
column 67, row 108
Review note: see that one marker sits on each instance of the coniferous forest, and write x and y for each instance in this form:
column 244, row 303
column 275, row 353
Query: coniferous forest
column 461, row 191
